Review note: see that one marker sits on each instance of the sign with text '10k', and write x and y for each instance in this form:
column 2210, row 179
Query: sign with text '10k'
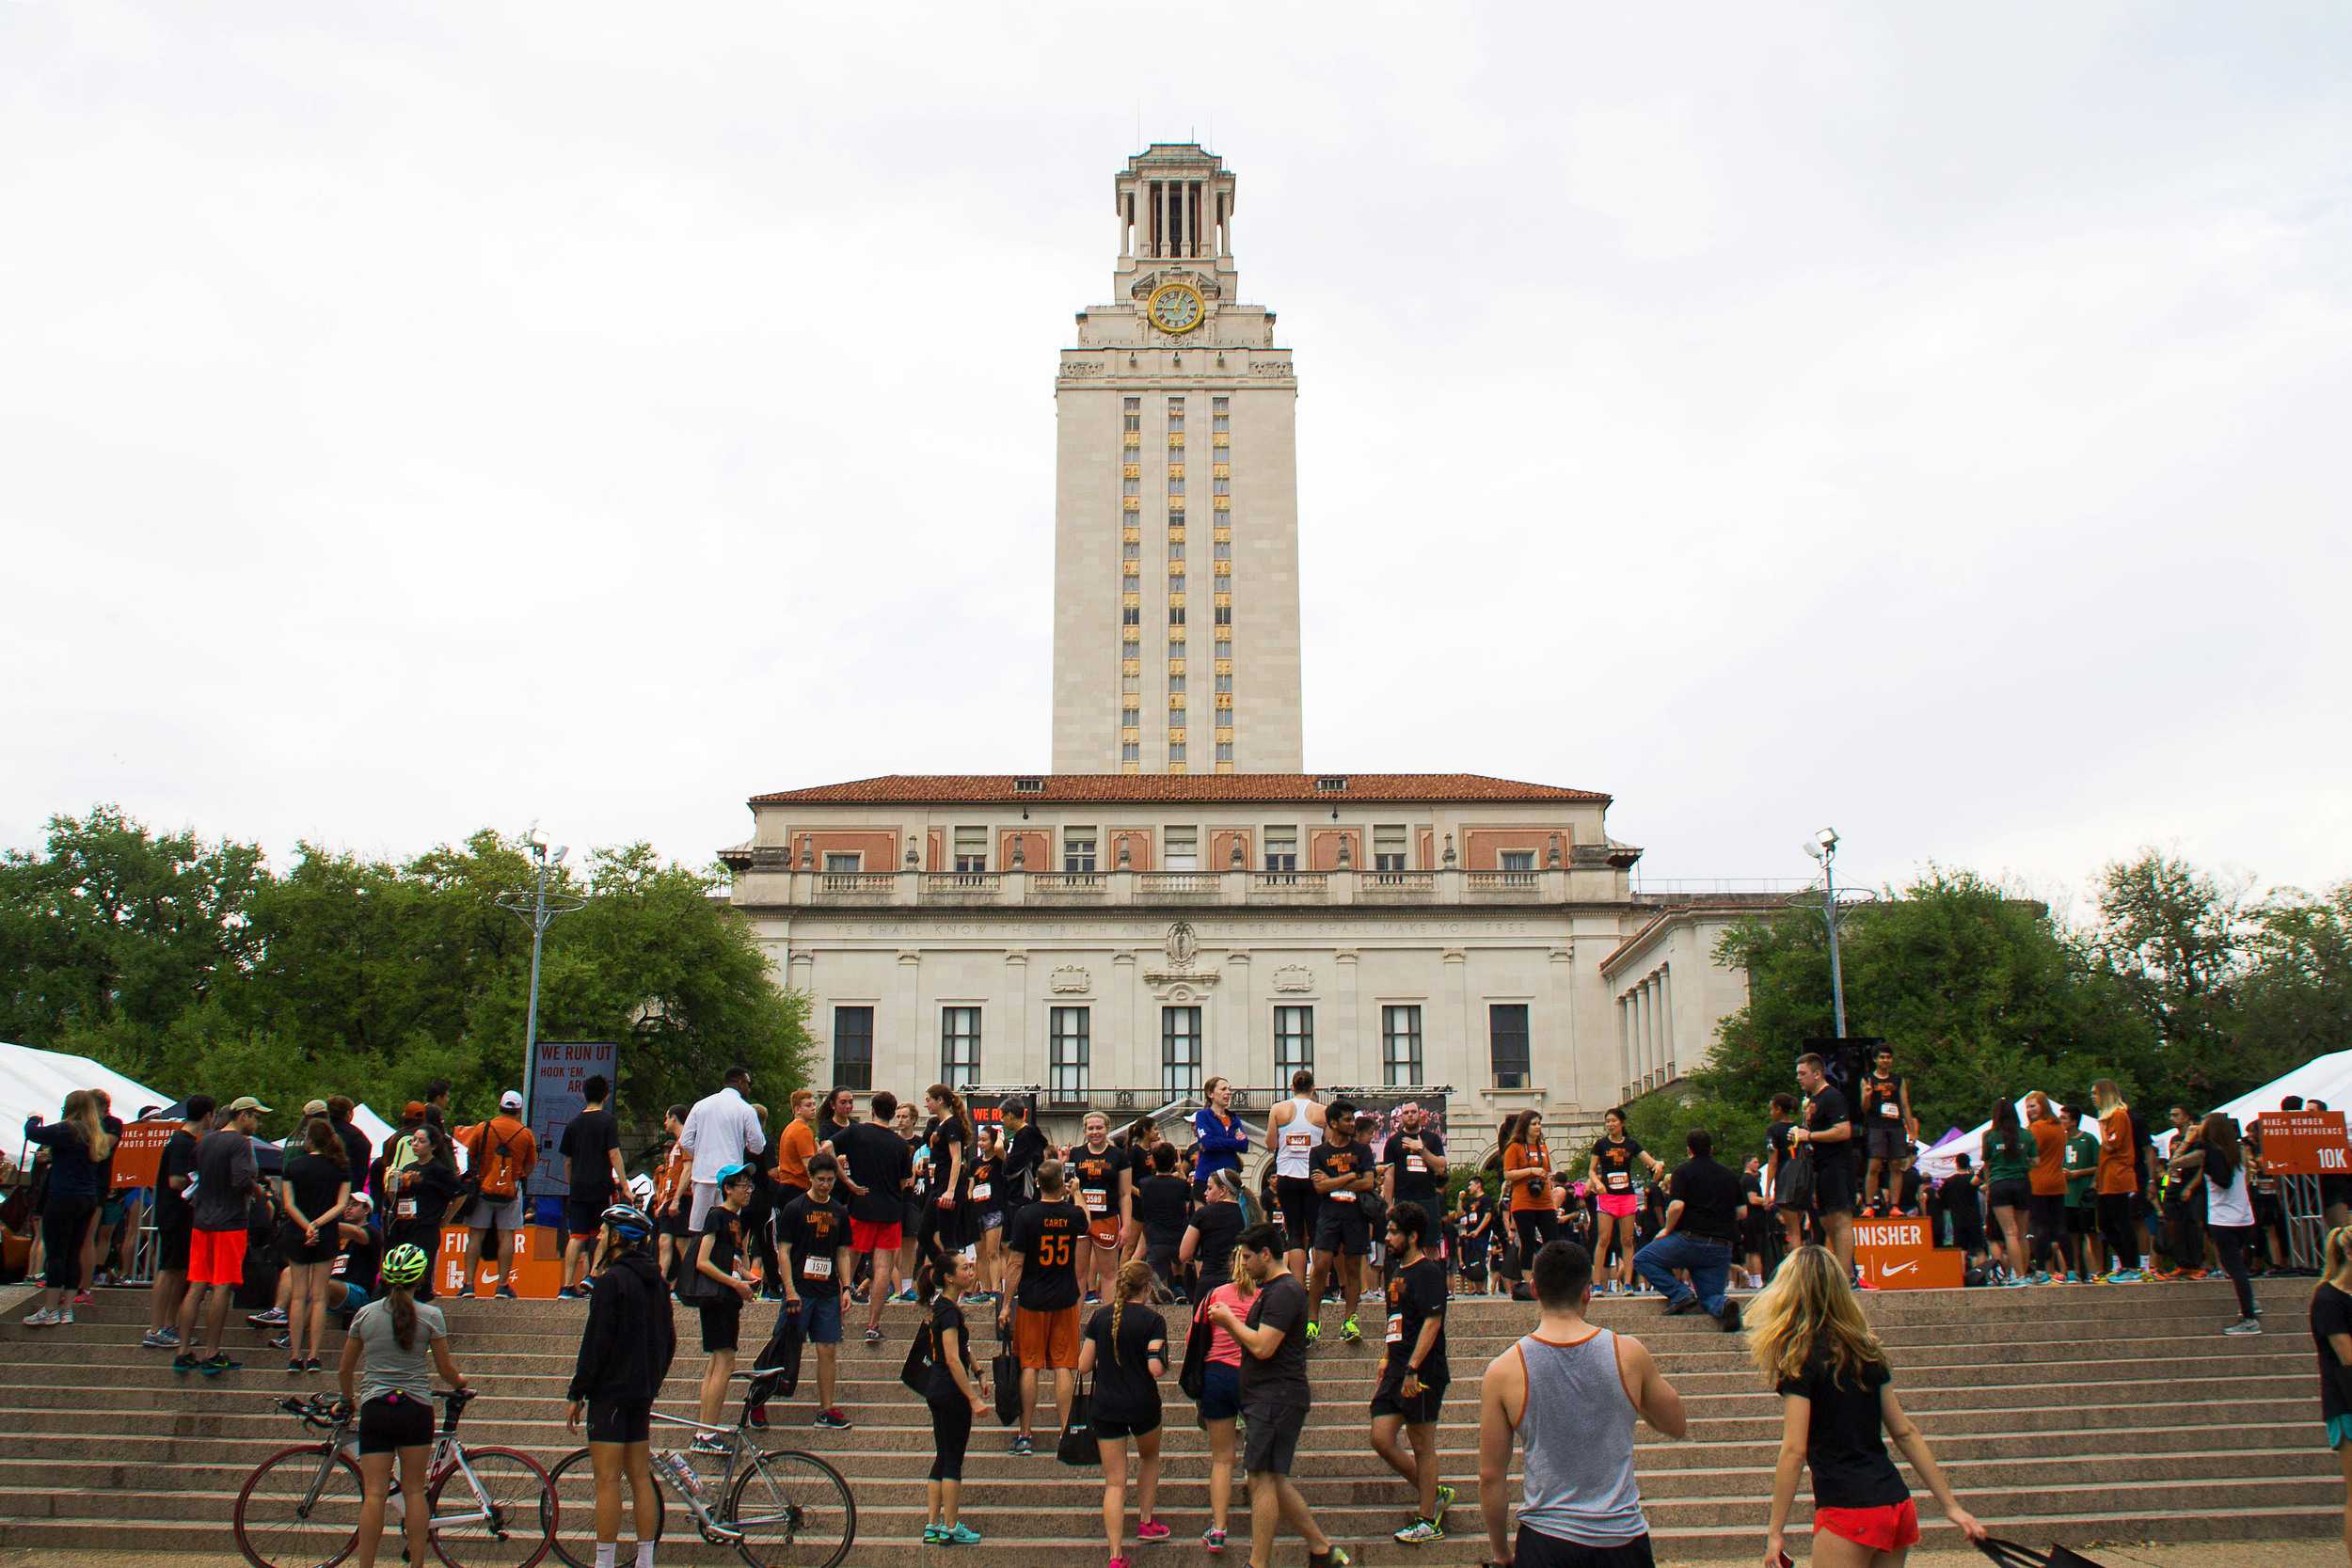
column 556, row 1079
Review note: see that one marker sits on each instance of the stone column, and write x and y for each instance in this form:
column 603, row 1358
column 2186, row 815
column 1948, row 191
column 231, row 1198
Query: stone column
column 1125, row 992
column 1237, row 1057
column 902, row 1013
column 1344, row 986
column 1030, row 1049
column 1470, row 1048
column 1560, row 1023
column 1666, row 1011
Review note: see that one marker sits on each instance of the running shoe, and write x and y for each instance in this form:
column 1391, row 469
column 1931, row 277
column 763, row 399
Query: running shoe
column 1336, row 1557
column 1445, row 1504
column 1151, row 1529
column 506, row 1292
column 1420, row 1532
column 217, row 1363
column 709, row 1442
column 757, row 1416
column 1350, row 1332
column 830, row 1421
column 1022, row 1446
column 2124, row 1276
column 160, row 1339
column 935, row 1535
column 2192, row 1273
column 294, row 1367
column 1212, row 1540
column 2037, row 1277
column 1315, row 1330
column 1121, row 1562
column 183, row 1363
column 46, row 1318
column 2244, row 1325
column 873, row 1336
column 268, row 1318
column 1092, row 1299
column 82, row 1298
column 960, row 1534
column 906, row 1295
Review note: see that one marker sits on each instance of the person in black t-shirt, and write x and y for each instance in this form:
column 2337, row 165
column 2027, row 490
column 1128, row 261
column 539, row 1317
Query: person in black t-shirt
column 1702, row 1224
column 1777, row 1150
column 1475, row 1226
column 2331, row 1334
column 948, row 1225
column 310, row 1196
column 1887, row 1131
column 1413, row 1374
column 1811, row 1342
column 1274, row 1397
column 715, row 1252
column 1340, row 1169
column 1042, row 1278
column 1162, row 1203
column 175, row 1226
column 1125, row 1350
column 813, row 1228
column 593, row 1145
column 1025, row 1150
column 988, row 1207
column 1209, row 1236
column 876, row 1174
column 1828, row 1131
column 956, row 1393
column 1412, row 1170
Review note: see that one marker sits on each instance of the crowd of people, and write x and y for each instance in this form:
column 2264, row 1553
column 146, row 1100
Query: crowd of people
column 1074, row 1257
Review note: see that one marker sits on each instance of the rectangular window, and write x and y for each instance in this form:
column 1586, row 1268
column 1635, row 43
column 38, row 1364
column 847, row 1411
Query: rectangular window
column 1388, row 847
column 1131, row 615
column 1131, row 751
column 1175, row 751
column 1224, row 549
column 1175, row 583
column 1175, row 686
column 1293, row 1041
column 1131, row 685
column 854, row 1048
column 843, row 865
column 1224, row 750
column 1133, row 551
column 1518, row 860
column 959, row 1047
column 1128, row 718
column 1175, row 615
column 1400, row 1045
column 1180, row 1052
column 1070, row 1044
column 1077, row 849
column 1506, row 1032
column 1181, row 849
column 1225, row 684
column 1224, row 615
column 1224, row 645
column 1282, row 854
column 1176, row 717
column 972, row 848
column 1176, row 646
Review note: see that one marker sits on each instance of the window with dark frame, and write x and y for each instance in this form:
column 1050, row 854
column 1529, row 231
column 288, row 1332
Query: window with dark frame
column 1180, row 1052
column 959, row 1047
column 1506, row 1032
column 854, row 1048
column 1400, row 1045
column 1068, row 1040
column 1293, row 1041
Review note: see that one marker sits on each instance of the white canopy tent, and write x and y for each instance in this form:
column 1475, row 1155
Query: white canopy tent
column 1941, row 1161
column 35, row 1083
column 2328, row 1078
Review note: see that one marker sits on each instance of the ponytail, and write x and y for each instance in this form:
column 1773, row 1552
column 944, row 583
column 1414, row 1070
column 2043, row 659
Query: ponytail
column 1135, row 1277
column 930, row 1278
column 403, row 1310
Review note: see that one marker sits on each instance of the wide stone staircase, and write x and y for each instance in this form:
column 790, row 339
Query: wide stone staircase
column 2076, row 1414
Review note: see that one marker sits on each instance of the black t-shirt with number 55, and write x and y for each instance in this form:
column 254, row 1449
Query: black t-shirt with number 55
column 1047, row 1236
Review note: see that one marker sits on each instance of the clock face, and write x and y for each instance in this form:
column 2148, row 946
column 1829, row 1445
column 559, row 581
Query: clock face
column 1176, row 307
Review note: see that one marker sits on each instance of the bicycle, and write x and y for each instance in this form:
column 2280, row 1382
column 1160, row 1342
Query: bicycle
column 300, row 1507
column 785, row 1510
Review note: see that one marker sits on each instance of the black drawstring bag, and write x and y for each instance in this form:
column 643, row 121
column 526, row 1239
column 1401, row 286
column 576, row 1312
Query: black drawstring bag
column 1794, row 1190
column 2011, row 1555
column 1005, row 1368
column 915, row 1372
column 1079, row 1445
column 1192, row 1378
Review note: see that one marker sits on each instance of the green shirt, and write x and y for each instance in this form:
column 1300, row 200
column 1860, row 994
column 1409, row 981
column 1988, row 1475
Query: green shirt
column 2011, row 1163
column 2082, row 1169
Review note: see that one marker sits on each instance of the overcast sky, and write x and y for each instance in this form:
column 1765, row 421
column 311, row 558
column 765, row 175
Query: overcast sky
column 1928, row 422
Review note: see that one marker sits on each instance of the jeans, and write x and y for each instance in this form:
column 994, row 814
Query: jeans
column 1708, row 1261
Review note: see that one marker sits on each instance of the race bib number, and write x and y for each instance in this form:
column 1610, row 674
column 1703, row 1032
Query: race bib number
column 979, row 1191
column 335, row 1270
column 1097, row 1199
column 1342, row 1195
column 1619, row 1181
column 405, row 1209
column 1299, row 1140
column 1889, row 1108
column 1416, row 1165
column 817, row 1267
column 1396, row 1328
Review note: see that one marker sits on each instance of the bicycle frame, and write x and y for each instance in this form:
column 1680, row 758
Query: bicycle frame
column 707, row 1519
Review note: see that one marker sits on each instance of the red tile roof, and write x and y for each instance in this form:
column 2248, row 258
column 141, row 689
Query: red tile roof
column 974, row 789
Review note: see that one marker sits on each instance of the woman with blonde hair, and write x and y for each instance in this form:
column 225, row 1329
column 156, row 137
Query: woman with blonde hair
column 79, row 1146
column 1220, row 1391
column 2117, row 1182
column 1125, row 1349
column 1807, row 1335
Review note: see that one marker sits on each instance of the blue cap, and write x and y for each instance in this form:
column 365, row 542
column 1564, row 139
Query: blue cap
column 729, row 1173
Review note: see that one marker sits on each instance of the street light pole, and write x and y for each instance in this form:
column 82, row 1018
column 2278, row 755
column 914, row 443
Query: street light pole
column 538, row 911
column 1824, row 848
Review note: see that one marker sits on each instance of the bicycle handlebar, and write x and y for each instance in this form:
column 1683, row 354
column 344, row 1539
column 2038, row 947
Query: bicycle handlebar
column 326, row 1413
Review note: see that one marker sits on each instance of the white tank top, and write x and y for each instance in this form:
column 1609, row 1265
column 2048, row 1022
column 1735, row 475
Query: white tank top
column 1297, row 1140
column 2229, row 1205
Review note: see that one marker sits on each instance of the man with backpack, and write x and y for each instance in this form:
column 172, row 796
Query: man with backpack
column 501, row 1154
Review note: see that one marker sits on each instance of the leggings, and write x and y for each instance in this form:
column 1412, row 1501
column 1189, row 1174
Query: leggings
column 62, row 1222
column 2231, row 1242
column 1535, row 1226
column 2187, row 1223
column 2121, row 1230
column 951, row 1433
column 2047, row 1218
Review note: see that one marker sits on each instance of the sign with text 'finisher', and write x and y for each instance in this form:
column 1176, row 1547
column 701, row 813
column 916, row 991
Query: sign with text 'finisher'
column 1901, row 1255
column 2304, row 1142
column 556, row 1098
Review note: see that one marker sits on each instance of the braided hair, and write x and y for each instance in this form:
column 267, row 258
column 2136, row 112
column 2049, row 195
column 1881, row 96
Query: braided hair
column 1135, row 1278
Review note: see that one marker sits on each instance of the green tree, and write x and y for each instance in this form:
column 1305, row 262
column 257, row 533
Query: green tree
column 2177, row 941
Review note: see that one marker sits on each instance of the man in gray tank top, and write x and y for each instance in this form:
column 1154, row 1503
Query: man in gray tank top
column 1569, row 1392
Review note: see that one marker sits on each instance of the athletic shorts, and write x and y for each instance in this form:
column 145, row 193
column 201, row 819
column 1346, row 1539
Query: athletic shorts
column 584, row 1218
column 1299, row 1202
column 1886, row 1143
column 1420, row 1409
column 1104, row 1232
column 2338, row 1431
column 1220, row 1390
column 1533, row 1549
column 216, row 1256
column 1340, row 1229
column 1620, row 1205
column 1833, row 1188
column 620, row 1421
column 2013, row 1193
column 672, row 1223
column 992, row 1219
column 393, row 1422
column 114, row 1208
column 820, row 1318
column 866, row 1236
column 1274, row 1427
column 1892, row 1527
column 723, row 1323
column 1105, row 1426
column 2078, row 1219
column 492, row 1213
column 172, row 1247
column 1046, row 1340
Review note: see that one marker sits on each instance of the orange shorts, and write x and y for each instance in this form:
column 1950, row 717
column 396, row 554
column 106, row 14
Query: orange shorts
column 1046, row 1339
column 1104, row 1231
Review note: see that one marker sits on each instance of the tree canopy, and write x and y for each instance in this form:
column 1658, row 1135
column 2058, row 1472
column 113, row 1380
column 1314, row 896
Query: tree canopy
column 194, row 966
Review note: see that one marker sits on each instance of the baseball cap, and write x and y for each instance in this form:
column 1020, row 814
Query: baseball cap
column 511, row 1100
column 414, row 1110
column 315, row 1108
column 732, row 1172
column 245, row 1102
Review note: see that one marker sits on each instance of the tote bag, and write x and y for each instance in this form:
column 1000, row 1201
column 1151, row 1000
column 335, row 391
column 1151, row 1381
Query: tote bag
column 1079, row 1445
column 1005, row 1368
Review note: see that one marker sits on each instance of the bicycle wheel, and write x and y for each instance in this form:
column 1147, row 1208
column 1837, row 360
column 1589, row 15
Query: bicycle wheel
column 299, row 1509
column 569, row 1509
column 795, row 1512
column 489, row 1510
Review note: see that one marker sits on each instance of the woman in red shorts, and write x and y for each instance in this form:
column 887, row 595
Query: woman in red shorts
column 1807, row 1334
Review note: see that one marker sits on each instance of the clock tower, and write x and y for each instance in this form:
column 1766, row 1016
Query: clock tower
column 1176, row 500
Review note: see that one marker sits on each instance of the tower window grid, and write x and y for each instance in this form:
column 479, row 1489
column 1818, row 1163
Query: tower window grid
column 1178, row 751
column 1130, row 579
column 1221, row 578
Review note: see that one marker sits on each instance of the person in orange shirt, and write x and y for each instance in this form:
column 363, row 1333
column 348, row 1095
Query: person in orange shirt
column 1527, row 1176
column 2046, row 1189
column 674, row 1195
column 2117, row 1182
column 501, row 1154
column 794, row 1145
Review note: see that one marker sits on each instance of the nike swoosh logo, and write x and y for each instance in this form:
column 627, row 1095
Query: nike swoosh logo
column 1895, row 1269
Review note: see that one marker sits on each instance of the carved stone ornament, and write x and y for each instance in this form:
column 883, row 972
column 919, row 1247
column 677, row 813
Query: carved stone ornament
column 1203, row 283
column 1294, row 977
column 1073, row 979
column 1184, row 944
column 1081, row 367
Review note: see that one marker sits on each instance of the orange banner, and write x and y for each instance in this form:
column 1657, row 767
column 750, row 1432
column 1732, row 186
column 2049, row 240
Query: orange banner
column 538, row 1263
column 139, row 1152
column 2304, row 1142
column 1901, row 1255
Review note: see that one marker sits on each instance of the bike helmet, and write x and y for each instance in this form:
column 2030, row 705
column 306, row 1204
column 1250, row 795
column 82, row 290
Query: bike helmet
column 629, row 1221
column 404, row 1264
column 729, row 1173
